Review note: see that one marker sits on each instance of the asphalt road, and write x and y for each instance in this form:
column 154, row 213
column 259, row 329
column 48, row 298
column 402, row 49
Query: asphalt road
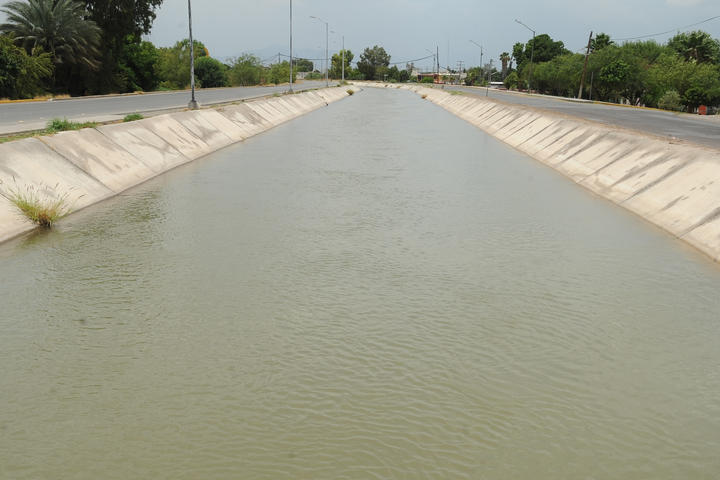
column 692, row 128
column 23, row 116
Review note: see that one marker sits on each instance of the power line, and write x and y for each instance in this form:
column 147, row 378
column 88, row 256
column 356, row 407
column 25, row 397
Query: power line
column 668, row 31
column 412, row 61
column 301, row 58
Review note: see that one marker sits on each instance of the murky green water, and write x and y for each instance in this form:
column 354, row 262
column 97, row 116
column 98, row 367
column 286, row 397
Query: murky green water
column 377, row 290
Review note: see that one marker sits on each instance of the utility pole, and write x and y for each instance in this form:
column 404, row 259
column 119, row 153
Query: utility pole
column 327, row 63
column 487, row 87
column 193, row 105
column 343, row 60
column 327, row 40
column 437, row 57
column 291, row 48
column 587, row 55
column 482, row 67
column 532, row 54
column 459, row 67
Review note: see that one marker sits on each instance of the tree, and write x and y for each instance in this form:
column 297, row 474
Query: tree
column 117, row 19
column 245, row 70
column 559, row 76
column 545, row 48
column 612, row 78
column 211, row 73
column 280, row 73
column 59, row 27
column 138, row 65
column 511, row 81
column 474, row 76
column 373, row 63
column 22, row 75
column 302, row 65
column 600, row 41
column 504, row 59
column 518, row 53
column 337, row 63
column 173, row 65
column 698, row 46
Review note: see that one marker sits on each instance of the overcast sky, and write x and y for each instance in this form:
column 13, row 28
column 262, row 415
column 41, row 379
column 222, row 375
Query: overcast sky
column 406, row 28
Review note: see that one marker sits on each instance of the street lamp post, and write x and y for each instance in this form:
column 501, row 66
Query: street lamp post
column 343, row 60
column 481, row 53
column 532, row 53
column 291, row 48
column 327, row 40
column 193, row 105
column 434, row 57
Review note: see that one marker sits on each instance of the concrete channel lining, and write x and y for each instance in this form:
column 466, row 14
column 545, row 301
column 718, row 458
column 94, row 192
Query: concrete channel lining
column 674, row 185
column 31, row 166
column 94, row 153
column 90, row 165
column 144, row 145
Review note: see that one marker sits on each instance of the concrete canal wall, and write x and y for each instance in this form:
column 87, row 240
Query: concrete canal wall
column 93, row 164
column 675, row 185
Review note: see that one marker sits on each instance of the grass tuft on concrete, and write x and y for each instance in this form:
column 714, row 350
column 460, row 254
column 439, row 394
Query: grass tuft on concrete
column 132, row 117
column 63, row 125
column 350, row 92
column 38, row 205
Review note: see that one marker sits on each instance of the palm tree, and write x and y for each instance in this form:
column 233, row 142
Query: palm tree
column 504, row 58
column 59, row 27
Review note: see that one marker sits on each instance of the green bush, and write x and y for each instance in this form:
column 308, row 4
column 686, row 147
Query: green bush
column 210, row 72
column 427, row 80
column 511, row 81
column 22, row 75
column 671, row 100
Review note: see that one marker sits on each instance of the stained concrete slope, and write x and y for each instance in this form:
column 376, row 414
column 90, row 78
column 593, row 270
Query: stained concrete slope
column 30, row 165
column 90, row 165
column 674, row 185
column 145, row 145
column 94, row 153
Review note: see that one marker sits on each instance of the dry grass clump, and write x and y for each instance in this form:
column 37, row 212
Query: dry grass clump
column 423, row 96
column 39, row 205
column 350, row 91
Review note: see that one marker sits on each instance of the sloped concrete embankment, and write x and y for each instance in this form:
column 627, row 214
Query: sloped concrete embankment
column 93, row 164
column 673, row 185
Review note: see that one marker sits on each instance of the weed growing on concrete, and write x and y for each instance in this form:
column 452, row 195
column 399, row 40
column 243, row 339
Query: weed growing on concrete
column 350, row 91
column 423, row 96
column 38, row 205
column 132, row 117
column 54, row 126
column 62, row 125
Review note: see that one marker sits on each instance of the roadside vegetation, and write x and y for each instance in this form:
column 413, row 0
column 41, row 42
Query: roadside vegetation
column 55, row 125
column 132, row 117
column 75, row 47
column 679, row 75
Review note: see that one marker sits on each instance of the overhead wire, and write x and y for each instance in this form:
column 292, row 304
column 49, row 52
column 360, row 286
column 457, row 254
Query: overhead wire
column 668, row 31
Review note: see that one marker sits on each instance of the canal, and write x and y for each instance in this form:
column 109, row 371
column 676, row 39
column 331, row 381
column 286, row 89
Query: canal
column 375, row 290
